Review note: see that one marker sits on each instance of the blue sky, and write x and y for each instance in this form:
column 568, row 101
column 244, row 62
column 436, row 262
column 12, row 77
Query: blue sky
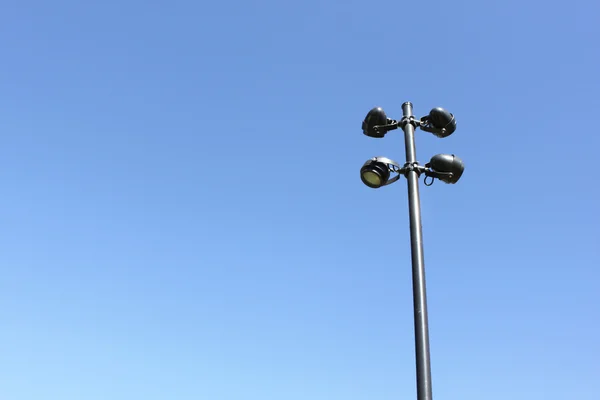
column 183, row 216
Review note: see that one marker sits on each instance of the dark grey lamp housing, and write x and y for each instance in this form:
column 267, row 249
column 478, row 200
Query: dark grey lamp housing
column 440, row 122
column 375, row 173
column 446, row 167
column 376, row 124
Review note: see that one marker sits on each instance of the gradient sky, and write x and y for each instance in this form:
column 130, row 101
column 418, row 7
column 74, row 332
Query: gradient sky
column 183, row 218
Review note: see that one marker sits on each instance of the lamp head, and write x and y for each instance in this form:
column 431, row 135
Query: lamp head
column 448, row 167
column 375, row 173
column 374, row 118
column 443, row 122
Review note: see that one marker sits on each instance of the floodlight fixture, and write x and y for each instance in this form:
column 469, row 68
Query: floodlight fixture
column 375, row 173
column 446, row 167
column 440, row 122
column 376, row 124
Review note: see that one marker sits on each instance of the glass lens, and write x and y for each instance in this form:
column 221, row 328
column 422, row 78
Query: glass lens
column 372, row 178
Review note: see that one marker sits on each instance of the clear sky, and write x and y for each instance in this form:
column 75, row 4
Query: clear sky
column 182, row 214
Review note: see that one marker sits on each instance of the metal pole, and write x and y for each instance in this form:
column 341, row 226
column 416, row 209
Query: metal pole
column 423, row 363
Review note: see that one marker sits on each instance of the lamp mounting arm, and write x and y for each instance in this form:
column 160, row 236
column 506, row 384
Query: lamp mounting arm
column 390, row 126
column 408, row 167
column 409, row 120
column 420, row 169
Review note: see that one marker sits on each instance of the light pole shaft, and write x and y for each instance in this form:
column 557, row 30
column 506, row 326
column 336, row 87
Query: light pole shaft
column 423, row 363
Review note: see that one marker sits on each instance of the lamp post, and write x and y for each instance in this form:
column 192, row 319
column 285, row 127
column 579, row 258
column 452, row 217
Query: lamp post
column 377, row 172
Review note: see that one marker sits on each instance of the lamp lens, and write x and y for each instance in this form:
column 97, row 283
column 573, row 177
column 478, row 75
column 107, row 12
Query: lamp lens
column 372, row 178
